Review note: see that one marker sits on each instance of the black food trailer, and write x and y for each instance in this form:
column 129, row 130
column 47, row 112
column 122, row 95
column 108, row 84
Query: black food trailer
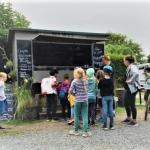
column 35, row 52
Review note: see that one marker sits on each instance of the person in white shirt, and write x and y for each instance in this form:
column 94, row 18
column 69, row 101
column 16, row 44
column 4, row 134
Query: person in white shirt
column 48, row 87
column 3, row 102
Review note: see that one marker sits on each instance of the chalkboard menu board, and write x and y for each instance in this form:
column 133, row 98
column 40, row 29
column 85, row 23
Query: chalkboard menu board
column 24, row 60
column 10, row 100
column 98, row 52
column 62, row 54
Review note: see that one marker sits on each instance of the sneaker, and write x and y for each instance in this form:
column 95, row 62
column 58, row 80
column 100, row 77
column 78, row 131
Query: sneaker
column 105, row 127
column 125, row 121
column 73, row 132
column 87, row 134
column 53, row 120
column 112, row 127
column 132, row 123
column 70, row 122
column 48, row 120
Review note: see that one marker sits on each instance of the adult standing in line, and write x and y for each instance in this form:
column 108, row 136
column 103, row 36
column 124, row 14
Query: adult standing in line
column 48, row 86
column 107, row 62
column 131, row 85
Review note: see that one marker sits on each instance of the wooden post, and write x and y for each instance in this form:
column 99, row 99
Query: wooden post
column 140, row 97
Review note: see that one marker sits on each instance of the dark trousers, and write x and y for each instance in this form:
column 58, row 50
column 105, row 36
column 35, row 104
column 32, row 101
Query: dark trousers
column 51, row 105
column 65, row 104
column 92, row 112
column 129, row 103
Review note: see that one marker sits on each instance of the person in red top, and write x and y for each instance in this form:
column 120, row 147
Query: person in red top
column 49, row 88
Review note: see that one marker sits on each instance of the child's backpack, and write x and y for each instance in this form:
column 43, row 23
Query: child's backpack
column 62, row 94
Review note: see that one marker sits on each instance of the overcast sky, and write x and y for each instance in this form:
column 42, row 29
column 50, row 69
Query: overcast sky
column 130, row 18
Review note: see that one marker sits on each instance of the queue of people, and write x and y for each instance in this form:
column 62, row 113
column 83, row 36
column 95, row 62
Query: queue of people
column 88, row 89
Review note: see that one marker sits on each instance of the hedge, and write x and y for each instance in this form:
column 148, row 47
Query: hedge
column 117, row 61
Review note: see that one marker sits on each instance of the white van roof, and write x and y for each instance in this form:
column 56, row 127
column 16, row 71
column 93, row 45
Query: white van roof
column 142, row 66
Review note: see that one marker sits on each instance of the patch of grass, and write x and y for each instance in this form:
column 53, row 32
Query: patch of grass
column 9, row 132
column 120, row 110
column 138, row 98
column 141, row 107
column 18, row 122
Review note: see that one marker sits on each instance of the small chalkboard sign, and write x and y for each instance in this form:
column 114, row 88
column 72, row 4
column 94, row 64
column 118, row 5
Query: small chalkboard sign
column 24, row 60
column 98, row 52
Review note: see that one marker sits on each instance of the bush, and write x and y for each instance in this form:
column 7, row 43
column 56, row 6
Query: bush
column 117, row 61
column 23, row 101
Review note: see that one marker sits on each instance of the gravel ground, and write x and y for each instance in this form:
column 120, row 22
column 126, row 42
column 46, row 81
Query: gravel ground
column 55, row 137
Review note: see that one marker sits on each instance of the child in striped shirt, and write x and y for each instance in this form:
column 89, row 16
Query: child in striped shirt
column 79, row 88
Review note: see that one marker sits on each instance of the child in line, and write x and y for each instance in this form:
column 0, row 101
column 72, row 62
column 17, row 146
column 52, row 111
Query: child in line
column 49, row 88
column 99, row 77
column 79, row 88
column 106, row 87
column 3, row 102
column 71, row 100
column 63, row 96
column 92, row 91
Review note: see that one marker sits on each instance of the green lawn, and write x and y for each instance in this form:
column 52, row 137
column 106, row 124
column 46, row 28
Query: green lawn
column 122, row 109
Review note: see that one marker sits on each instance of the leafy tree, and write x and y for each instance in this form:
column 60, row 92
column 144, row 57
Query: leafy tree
column 122, row 45
column 10, row 18
column 148, row 58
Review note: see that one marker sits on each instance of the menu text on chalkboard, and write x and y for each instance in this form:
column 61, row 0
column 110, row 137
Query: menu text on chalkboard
column 98, row 52
column 24, row 60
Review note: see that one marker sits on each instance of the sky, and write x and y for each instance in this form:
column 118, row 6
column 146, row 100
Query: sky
column 129, row 17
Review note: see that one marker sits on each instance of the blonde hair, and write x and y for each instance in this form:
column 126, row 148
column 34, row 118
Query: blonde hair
column 79, row 73
column 3, row 74
column 106, row 57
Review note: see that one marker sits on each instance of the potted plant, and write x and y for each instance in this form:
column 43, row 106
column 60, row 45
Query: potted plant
column 23, row 101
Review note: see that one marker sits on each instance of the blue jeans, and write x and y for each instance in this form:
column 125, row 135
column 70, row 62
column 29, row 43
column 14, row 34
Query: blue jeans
column 107, row 102
column 3, row 106
column 72, row 112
